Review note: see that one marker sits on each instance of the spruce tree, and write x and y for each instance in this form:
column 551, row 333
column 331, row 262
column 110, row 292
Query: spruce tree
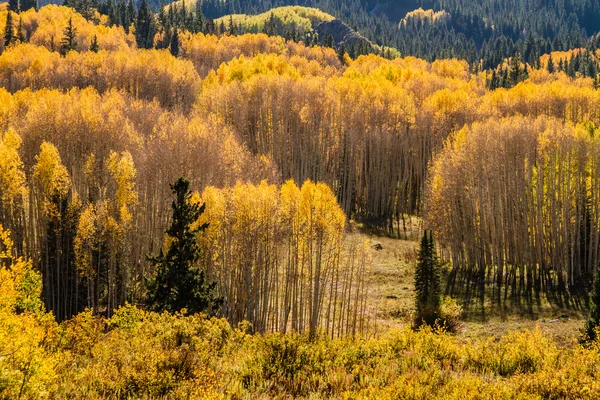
column 28, row 4
column 551, row 68
column 94, row 45
column 593, row 322
column 515, row 69
column 68, row 42
column 341, row 52
column 427, row 283
column 179, row 283
column 199, row 18
column 144, row 27
column 174, row 45
column 14, row 6
column 9, row 30
column 20, row 31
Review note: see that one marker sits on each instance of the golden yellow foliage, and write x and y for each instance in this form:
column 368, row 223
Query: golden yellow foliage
column 12, row 176
column 50, row 173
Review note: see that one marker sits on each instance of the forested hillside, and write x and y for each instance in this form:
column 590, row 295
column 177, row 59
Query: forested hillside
column 482, row 32
column 155, row 166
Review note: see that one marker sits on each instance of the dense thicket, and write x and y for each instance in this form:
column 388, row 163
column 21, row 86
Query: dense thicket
column 144, row 354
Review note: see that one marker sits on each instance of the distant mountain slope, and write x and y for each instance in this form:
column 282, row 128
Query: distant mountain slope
column 483, row 32
column 342, row 34
column 304, row 19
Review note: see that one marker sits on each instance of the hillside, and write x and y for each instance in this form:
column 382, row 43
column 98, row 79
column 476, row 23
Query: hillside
column 490, row 30
column 300, row 19
column 482, row 32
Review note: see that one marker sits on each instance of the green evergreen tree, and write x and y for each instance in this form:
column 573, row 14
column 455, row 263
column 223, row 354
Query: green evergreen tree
column 593, row 322
column 68, row 41
column 145, row 27
column 28, row 4
column 515, row 69
column 9, row 30
column 14, row 6
column 199, row 18
column 231, row 28
column 179, row 283
column 174, row 45
column 341, row 52
column 427, row 283
column 270, row 28
column 550, row 65
column 20, row 31
column 94, row 45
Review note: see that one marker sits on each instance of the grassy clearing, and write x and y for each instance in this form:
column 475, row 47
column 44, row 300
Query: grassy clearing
column 391, row 302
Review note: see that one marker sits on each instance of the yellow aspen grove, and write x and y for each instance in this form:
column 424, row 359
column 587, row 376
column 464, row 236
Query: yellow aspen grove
column 515, row 202
column 13, row 188
column 279, row 259
column 57, row 219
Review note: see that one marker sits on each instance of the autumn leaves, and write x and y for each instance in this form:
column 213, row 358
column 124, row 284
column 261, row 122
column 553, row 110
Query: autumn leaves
column 279, row 257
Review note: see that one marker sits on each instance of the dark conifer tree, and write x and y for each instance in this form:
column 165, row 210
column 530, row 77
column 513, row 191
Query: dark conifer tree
column 550, row 64
column 199, row 20
column 593, row 322
column 341, row 52
column 68, row 41
column 427, row 283
column 20, row 31
column 515, row 69
column 174, row 45
column 9, row 30
column 231, row 28
column 29, row 4
column 14, row 5
column 179, row 283
column 144, row 27
column 94, row 45
column 130, row 14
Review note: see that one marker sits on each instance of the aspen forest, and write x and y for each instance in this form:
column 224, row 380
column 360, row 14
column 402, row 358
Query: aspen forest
column 312, row 199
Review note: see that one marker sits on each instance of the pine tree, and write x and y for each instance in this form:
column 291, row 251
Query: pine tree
column 130, row 13
column 199, row 18
column 144, row 27
column 341, row 53
column 269, row 27
column 179, row 283
column 9, row 30
column 427, row 283
column 515, row 69
column 550, row 64
column 94, row 45
column 112, row 13
column 28, row 4
column 14, row 6
column 174, row 45
column 68, row 42
column 20, row 32
column 231, row 28
column 589, row 332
